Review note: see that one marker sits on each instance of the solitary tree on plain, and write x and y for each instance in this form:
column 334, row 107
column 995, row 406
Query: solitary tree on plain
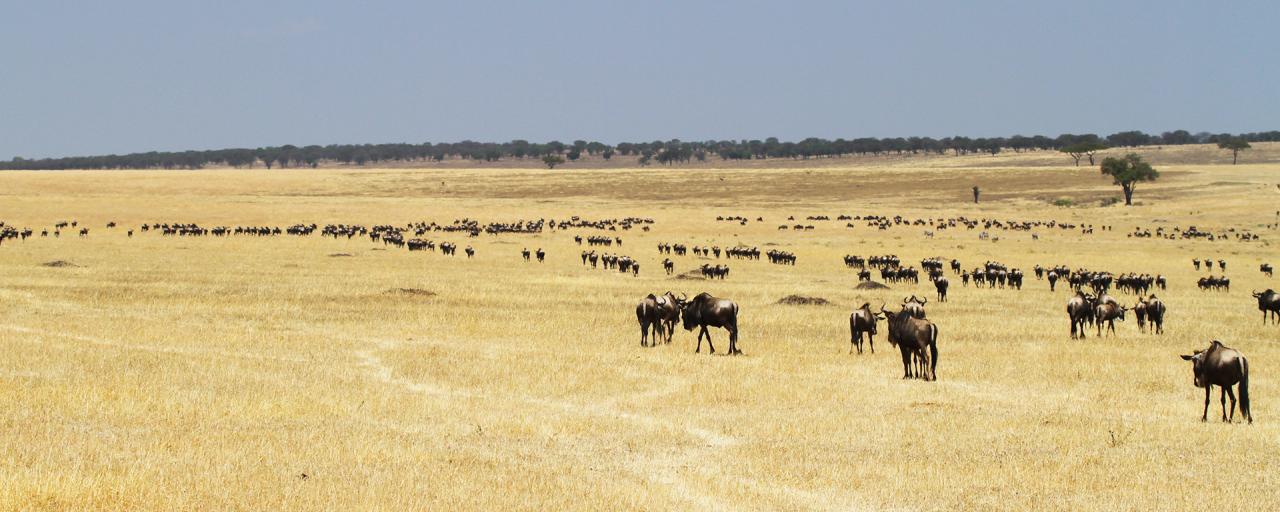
column 1127, row 172
column 1082, row 149
column 1235, row 144
column 552, row 161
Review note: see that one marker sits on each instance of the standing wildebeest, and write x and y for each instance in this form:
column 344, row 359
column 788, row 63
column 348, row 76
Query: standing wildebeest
column 649, row 316
column 914, row 306
column 1155, row 314
column 1053, row 280
column 864, row 275
column 1107, row 310
column 1266, row 269
column 470, row 252
column 525, row 253
column 1140, row 313
column 706, row 311
column 669, row 312
column 1222, row 265
column 1222, row 366
column 1196, row 262
column 917, row 339
column 1268, row 304
column 1080, row 310
column 668, row 265
column 541, row 255
column 862, row 321
column 941, row 284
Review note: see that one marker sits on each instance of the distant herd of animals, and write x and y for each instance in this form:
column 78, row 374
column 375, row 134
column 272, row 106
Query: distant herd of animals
column 907, row 328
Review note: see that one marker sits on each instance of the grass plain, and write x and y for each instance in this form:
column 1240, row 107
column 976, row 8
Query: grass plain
column 302, row 373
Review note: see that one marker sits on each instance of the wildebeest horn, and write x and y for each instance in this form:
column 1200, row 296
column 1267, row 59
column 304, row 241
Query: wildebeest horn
column 923, row 301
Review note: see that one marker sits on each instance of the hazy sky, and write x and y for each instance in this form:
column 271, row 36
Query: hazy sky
column 116, row 77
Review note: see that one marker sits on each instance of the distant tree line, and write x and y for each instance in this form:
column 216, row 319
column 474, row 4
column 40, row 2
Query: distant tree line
column 669, row 152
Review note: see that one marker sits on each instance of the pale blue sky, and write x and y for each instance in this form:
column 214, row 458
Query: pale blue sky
column 117, row 77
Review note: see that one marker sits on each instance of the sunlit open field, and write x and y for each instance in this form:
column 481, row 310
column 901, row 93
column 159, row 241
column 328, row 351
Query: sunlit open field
column 286, row 372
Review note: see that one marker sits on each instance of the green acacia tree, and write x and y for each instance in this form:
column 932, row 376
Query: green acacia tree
column 1127, row 172
column 1236, row 145
column 1082, row 149
column 552, row 161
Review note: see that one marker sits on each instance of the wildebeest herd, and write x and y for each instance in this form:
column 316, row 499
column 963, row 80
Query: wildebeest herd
column 906, row 327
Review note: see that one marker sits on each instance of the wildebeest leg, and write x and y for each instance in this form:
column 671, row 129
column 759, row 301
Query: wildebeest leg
column 733, row 339
column 644, row 334
column 855, row 338
column 871, row 340
column 708, row 335
column 926, row 364
column 906, row 362
column 1208, row 390
column 1222, row 397
column 1232, row 395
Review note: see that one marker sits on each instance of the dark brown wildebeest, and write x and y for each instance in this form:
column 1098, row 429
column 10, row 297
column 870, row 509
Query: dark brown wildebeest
column 668, row 265
column 706, row 311
column 1266, row 269
column 1080, row 310
column 1140, row 312
column 1155, row 314
column 1053, row 280
column 917, row 339
column 1222, row 366
column 525, row 253
column 914, row 306
column 864, row 275
column 669, row 312
column 1222, row 265
column 541, row 255
column 649, row 316
column 1268, row 304
column 941, row 284
column 862, row 321
column 1196, row 262
column 1108, row 310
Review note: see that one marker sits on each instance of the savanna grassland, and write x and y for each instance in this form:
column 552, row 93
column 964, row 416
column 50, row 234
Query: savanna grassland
column 300, row 373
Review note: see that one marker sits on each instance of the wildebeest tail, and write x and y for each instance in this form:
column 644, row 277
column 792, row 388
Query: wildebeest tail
column 1244, row 389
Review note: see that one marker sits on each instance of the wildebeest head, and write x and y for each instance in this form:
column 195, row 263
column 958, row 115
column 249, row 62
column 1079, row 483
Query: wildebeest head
column 1198, row 366
column 691, row 310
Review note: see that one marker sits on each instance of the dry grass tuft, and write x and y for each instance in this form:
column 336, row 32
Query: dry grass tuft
column 800, row 300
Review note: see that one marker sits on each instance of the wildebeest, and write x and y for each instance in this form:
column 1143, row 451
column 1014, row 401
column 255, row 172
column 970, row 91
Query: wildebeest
column 668, row 265
column 525, row 253
column 540, row 254
column 1080, row 310
column 1108, row 310
column 1268, row 304
column 1140, row 313
column 862, row 321
column 917, row 339
column 914, row 306
column 1155, row 314
column 1224, row 367
column 669, row 312
column 650, row 319
column 941, row 284
column 706, row 311
column 1266, row 269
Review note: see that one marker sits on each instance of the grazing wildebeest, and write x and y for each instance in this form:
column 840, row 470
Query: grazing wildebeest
column 647, row 313
column 917, row 339
column 1108, row 310
column 1268, row 304
column 862, row 321
column 1222, row 366
column 470, row 252
column 1155, row 314
column 941, row 284
column 1266, row 269
column 706, row 311
column 1080, row 310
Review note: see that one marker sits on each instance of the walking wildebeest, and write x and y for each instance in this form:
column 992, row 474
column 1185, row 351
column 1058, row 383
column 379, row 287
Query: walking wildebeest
column 862, row 321
column 706, row 311
column 1266, row 269
column 1108, row 310
column 941, row 284
column 1140, row 313
column 650, row 319
column 915, row 338
column 1155, row 314
column 914, row 306
column 1222, row 366
column 1080, row 310
column 1268, row 304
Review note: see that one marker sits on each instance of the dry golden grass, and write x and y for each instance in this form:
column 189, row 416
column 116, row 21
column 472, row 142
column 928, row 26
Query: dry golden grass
column 214, row 373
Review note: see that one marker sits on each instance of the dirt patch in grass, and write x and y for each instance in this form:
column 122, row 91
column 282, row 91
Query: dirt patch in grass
column 871, row 285
column 340, row 255
column 692, row 274
column 411, row 292
column 59, row 264
column 800, row 300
